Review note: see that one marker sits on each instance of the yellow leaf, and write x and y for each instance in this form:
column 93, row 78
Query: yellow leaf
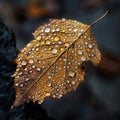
column 50, row 65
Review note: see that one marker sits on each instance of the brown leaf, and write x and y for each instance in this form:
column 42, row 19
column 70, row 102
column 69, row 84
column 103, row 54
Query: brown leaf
column 50, row 65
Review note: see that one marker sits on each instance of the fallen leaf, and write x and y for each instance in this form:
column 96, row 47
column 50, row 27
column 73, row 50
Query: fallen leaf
column 50, row 65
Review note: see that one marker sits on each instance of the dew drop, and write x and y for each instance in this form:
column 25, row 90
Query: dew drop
column 54, row 51
column 49, row 84
column 61, row 49
column 49, row 77
column 79, row 34
column 63, row 19
column 37, row 49
column 48, row 42
column 85, row 37
column 33, row 66
column 30, row 61
column 47, row 30
column 67, row 44
column 86, row 43
column 21, row 85
column 81, row 30
column 27, row 79
column 20, row 73
column 90, row 45
column 38, row 38
column 60, row 96
column 83, row 58
column 58, row 29
column 69, row 63
column 33, row 97
column 29, row 44
column 59, row 42
column 80, row 52
column 47, row 94
column 56, row 38
column 24, row 63
column 73, row 82
column 38, row 69
column 42, row 43
column 16, row 84
column 64, row 59
column 53, row 30
column 17, row 69
column 72, row 73
column 75, row 29
column 37, row 44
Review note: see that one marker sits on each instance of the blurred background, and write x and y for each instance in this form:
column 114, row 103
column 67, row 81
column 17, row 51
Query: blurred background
column 98, row 98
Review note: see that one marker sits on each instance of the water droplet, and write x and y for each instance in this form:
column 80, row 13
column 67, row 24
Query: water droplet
column 64, row 67
column 75, row 29
column 60, row 68
column 24, row 63
column 27, row 79
column 47, row 30
column 80, row 52
column 72, row 73
column 49, row 77
column 33, row 49
column 48, row 42
column 58, row 29
column 81, row 30
column 54, row 51
column 38, row 69
column 63, row 19
column 86, row 43
column 59, row 42
column 83, row 58
column 53, row 30
column 56, row 38
column 37, row 44
column 17, row 69
column 21, row 85
column 38, row 38
column 68, row 66
column 16, row 84
column 69, row 29
column 20, row 73
column 61, row 49
column 42, row 43
column 69, row 63
column 90, row 45
column 30, row 71
column 30, row 61
column 67, row 44
column 49, row 84
column 64, row 59
column 33, row 97
column 73, row 82
column 85, row 37
column 37, row 49
column 79, row 34
column 68, row 81
column 47, row 94
column 33, row 66
column 29, row 44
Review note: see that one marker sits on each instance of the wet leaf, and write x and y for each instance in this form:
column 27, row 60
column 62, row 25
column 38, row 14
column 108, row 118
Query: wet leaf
column 50, row 65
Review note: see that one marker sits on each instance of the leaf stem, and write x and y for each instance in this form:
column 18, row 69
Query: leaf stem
column 101, row 17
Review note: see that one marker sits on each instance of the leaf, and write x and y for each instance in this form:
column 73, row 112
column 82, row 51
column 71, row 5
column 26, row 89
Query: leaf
column 50, row 65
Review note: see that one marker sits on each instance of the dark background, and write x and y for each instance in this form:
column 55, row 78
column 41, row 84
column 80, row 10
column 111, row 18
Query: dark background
column 98, row 98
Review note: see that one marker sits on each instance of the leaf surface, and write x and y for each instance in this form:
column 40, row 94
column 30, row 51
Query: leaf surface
column 50, row 65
